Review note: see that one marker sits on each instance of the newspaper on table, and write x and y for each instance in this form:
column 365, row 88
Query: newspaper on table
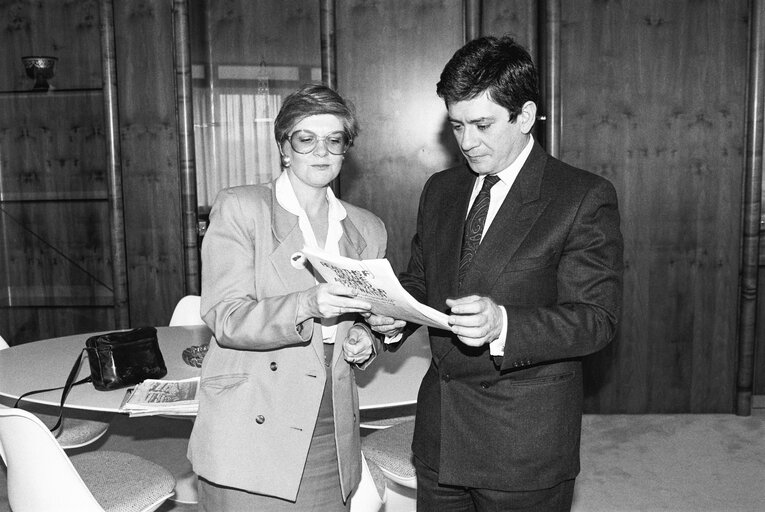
column 166, row 397
column 375, row 282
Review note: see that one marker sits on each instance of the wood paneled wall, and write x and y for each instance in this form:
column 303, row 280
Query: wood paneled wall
column 652, row 97
column 390, row 55
column 150, row 166
column 55, row 274
column 55, row 264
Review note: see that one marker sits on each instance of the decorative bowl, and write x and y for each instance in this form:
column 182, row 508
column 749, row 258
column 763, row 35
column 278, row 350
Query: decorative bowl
column 41, row 68
column 194, row 355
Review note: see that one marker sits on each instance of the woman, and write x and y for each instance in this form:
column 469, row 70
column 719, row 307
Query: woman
column 279, row 367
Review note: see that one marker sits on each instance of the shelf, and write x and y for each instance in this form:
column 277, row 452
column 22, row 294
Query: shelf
column 54, row 296
column 51, row 93
column 48, row 197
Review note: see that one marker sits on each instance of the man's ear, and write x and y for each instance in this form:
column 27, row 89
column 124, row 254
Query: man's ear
column 527, row 117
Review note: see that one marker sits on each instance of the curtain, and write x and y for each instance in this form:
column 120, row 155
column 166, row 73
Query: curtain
column 234, row 134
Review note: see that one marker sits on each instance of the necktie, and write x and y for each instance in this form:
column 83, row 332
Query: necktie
column 474, row 224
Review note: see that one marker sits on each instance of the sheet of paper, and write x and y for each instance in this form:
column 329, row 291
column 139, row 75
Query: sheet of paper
column 377, row 283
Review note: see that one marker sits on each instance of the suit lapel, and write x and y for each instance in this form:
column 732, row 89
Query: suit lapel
column 513, row 222
column 451, row 224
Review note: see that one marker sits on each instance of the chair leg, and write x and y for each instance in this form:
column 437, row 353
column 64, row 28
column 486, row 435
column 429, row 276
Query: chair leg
column 186, row 487
column 399, row 498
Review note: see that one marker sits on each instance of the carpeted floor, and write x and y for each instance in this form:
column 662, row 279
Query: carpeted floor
column 630, row 463
column 672, row 463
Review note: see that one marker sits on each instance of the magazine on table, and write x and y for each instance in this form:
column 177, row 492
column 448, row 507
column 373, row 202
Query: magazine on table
column 375, row 281
column 167, row 397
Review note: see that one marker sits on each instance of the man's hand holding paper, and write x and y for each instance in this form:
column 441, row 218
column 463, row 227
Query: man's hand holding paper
column 385, row 325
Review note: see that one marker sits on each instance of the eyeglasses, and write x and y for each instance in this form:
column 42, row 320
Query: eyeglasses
column 304, row 141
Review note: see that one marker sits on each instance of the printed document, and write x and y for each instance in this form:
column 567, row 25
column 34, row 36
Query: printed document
column 166, row 397
column 375, row 281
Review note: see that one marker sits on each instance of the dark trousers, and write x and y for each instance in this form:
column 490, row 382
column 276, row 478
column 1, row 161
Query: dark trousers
column 434, row 497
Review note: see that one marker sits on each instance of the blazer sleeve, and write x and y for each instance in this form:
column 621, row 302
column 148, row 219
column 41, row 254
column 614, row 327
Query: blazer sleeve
column 239, row 314
column 585, row 316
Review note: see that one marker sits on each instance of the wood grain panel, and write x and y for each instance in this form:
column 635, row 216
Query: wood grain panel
column 52, row 146
column 55, row 266
column 517, row 18
column 150, row 172
column 55, row 254
column 759, row 350
column 269, row 31
column 64, row 29
column 23, row 325
column 390, row 55
column 653, row 99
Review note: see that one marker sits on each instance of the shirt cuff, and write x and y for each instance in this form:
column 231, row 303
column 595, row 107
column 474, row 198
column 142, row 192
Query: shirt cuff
column 497, row 347
column 388, row 340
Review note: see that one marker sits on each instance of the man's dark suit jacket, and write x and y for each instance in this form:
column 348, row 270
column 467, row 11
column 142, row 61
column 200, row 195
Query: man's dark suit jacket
column 553, row 258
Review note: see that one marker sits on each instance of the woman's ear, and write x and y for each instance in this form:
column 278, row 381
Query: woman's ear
column 528, row 116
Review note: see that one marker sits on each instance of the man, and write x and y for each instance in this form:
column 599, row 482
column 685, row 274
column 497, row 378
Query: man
column 499, row 410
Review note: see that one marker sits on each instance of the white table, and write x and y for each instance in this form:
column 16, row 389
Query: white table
column 46, row 364
column 392, row 380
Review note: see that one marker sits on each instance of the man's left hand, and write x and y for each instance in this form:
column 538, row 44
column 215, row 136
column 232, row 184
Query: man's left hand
column 475, row 320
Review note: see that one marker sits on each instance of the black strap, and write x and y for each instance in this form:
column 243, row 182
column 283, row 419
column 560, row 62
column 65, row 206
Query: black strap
column 67, row 387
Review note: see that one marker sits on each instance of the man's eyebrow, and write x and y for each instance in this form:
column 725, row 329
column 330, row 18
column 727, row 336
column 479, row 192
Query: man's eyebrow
column 479, row 120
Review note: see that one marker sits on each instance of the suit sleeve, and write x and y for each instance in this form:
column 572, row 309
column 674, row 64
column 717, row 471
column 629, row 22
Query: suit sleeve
column 589, row 282
column 413, row 279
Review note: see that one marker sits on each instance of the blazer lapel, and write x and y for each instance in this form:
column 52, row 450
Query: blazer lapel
column 352, row 245
column 289, row 240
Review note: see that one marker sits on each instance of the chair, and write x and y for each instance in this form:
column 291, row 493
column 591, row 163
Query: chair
column 186, row 312
column 73, row 432
column 385, row 417
column 371, row 494
column 42, row 477
column 390, row 449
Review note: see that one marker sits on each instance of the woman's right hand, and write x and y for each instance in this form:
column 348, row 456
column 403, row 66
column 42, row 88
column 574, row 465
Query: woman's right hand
column 329, row 301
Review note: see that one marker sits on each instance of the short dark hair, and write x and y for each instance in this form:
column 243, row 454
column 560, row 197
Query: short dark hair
column 500, row 66
column 311, row 100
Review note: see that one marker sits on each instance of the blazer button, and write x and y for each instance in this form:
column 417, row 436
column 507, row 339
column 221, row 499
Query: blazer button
column 260, row 419
column 446, row 377
column 273, row 366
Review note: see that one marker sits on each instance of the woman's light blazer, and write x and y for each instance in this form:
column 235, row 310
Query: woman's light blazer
column 263, row 377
